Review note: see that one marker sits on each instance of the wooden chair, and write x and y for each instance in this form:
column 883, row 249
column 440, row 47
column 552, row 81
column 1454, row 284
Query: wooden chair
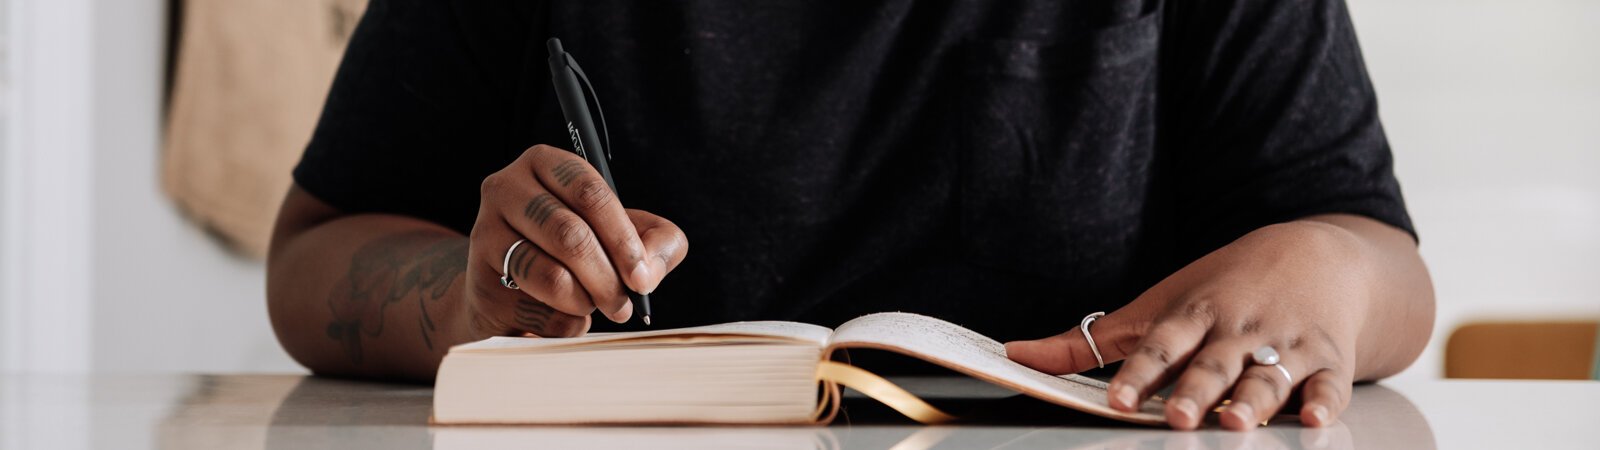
column 1527, row 350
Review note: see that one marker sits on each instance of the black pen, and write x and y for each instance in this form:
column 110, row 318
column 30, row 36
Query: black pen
column 586, row 142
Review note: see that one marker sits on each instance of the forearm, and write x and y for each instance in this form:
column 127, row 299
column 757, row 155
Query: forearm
column 368, row 295
column 1399, row 313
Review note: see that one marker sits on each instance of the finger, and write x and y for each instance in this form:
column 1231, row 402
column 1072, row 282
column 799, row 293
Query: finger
column 1207, row 377
column 1069, row 352
column 1325, row 395
column 548, row 281
column 500, row 311
column 541, row 319
column 1259, row 393
column 1172, row 340
column 515, row 207
column 1115, row 335
column 665, row 244
column 563, row 235
column 582, row 188
column 532, row 272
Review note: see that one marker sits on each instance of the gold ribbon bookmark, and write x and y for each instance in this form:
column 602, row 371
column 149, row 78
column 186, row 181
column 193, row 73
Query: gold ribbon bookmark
column 883, row 391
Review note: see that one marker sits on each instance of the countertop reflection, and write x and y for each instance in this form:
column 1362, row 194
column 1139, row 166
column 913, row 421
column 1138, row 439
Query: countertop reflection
column 299, row 412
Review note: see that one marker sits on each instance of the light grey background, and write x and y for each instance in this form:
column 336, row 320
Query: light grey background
column 166, row 297
column 1493, row 109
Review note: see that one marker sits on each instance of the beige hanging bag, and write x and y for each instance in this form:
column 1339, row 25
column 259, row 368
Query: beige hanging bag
column 250, row 78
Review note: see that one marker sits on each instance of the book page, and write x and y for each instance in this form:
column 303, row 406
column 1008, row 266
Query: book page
column 974, row 354
column 757, row 331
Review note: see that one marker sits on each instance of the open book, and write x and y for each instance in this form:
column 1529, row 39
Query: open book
column 733, row 373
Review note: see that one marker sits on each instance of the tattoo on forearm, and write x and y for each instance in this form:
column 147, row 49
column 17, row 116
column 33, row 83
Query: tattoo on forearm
column 567, row 171
column 413, row 266
column 540, row 208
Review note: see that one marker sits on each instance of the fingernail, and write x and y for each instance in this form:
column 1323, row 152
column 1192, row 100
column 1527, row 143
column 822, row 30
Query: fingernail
column 1127, row 397
column 641, row 275
column 1188, row 408
column 1319, row 413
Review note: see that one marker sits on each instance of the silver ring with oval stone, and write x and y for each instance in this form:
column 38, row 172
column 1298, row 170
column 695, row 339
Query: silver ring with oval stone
column 1268, row 356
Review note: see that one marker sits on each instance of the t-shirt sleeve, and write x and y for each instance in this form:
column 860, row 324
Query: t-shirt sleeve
column 1273, row 119
column 418, row 112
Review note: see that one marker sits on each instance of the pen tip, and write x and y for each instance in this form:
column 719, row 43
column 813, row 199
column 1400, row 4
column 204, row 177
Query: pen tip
column 646, row 320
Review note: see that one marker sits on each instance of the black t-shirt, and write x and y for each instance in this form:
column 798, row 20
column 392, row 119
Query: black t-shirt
column 1010, row 166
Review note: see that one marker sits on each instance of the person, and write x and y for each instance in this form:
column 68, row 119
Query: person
column 1212, row 173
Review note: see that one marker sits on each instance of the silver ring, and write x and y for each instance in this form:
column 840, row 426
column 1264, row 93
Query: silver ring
column 1084, row 325
column 1268, row 356
column 505, row 267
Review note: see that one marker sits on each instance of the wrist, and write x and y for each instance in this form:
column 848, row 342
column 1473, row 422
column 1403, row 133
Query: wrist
column 1398, row 301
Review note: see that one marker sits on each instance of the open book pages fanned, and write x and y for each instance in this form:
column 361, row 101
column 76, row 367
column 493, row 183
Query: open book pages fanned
column 734, row 373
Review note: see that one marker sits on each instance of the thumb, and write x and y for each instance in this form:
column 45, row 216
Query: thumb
column 1069, row 352
column 665, row 247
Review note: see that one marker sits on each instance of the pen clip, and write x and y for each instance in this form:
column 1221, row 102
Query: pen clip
column 605, row 132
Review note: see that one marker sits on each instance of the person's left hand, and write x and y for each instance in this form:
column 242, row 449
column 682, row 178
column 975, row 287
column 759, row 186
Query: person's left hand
column 1301, row 287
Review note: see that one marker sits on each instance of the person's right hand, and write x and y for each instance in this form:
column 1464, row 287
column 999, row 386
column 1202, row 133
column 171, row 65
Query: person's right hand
column 582, row 246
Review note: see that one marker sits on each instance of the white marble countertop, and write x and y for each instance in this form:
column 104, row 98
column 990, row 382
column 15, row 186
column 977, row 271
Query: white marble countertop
column 295, row 412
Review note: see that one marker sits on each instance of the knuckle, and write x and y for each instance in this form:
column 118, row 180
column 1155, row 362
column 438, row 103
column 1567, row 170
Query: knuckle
column 1201, row 309
column 628, row 244
column 1156, row 353
column 491, row 184
column 1296, row 342
column 1211, row 366
column 1273, row 382
column 558, row 281
column 536, row 150
column 1121, row 345
column 1127, row 337
column 592, row 194
column 572, row 235
column 1249, row 326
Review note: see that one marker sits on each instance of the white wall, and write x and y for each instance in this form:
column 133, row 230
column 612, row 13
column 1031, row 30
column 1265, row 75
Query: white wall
column 99, row 270
column 167, row 298
column 1493, row 108
column 45, row 198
